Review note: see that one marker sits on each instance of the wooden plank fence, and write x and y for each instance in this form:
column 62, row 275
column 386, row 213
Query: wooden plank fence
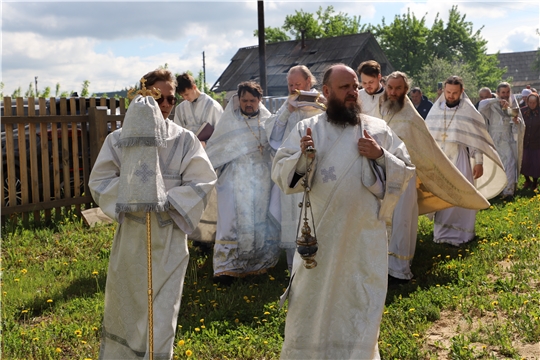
column 48, row 150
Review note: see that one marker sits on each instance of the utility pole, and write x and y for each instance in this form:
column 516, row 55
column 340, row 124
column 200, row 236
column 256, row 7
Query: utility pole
column 262, row 47
column 204, row 73
column 35, row 78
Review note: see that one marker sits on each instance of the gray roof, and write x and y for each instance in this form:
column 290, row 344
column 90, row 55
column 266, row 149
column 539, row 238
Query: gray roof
column 519, row 67
column 317, row 54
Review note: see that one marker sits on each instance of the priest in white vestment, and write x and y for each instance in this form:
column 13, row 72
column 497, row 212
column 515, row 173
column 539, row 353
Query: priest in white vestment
column 461, row 133
column 372, row 88
column 358, row 173
column 197, row 111
column 197, row 108
column 507, row 131
column 150, row 164
column 438, row 184
column 303, row 102
column 247, row 236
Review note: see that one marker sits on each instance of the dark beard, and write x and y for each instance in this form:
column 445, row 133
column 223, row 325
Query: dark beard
column 339, row 114
column 393, row 106
column 452, row 104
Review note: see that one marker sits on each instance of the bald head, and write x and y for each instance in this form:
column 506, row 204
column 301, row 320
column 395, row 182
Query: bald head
column 340, row 88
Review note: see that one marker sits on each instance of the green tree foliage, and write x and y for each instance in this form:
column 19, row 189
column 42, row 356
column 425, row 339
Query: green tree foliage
column 324, row 23
column 85, row 86
column 1, row 89
column 57, row 93
column 273, row 35
column 16, row 93
column 30, row 92
column 405, row 42
column 410, row 46
column 439, row 70
column 46, row 92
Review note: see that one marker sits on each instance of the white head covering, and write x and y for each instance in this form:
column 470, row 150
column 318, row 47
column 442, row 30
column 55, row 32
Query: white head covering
column 526, row 92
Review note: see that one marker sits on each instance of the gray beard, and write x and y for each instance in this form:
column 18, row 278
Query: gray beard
column 393, row 106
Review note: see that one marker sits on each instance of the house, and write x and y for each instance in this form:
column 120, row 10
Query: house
column 520, row 67
column 316, row 54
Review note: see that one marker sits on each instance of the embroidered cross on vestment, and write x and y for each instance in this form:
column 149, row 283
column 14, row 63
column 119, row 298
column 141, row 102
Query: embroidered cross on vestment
column 144, row 173
column 328, row 174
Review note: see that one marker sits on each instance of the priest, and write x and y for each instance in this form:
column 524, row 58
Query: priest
column 285, row 208
column 247, row 236
column 438, row 184
column 149, row 165
column 461, row 133
column 507, row 131
column 357, row 175
column 372, row 87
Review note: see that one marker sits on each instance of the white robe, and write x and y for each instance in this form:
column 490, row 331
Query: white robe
column 188, row 177
column 247, row 237
column 502, row 129
column 285, row 207
column 461, row 133
column 335, row 309
column 191, row 115
column 371, row 103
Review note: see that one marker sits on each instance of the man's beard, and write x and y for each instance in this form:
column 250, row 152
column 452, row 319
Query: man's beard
column 452, row 104
column 338, row 113
column 393, row 106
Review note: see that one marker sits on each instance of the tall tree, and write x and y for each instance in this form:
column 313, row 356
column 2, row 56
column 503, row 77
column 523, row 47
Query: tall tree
column 324, row 23
column 85, row 86
column 405, row 42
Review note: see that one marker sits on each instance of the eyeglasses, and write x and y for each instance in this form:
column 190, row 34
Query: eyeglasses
column 171, row 99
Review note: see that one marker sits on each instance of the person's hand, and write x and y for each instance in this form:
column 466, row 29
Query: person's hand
column 291, row 108
column 478, row 171
column 504, row 104
column 368, row 147
column 203, row 143
column 307, row 141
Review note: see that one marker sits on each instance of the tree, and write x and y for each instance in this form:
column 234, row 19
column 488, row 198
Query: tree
column 1, row 89
column 16, row 93
column 438, row 70
column 30, row 92
column 322, row 24
column 410, row 46
column 57, row 93
column 46, row 92
column 85, row 86
column 404, row 42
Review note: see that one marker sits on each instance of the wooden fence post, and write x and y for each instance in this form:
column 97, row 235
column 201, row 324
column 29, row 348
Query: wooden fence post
column 97, row 118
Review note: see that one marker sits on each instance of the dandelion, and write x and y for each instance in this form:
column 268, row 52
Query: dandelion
column 525, row 302
column 495, row 303
column 272, row 278
column 266, row 313
column 411, row 310
column 94, row 272
column 65, row 263
column 197, row 329
column 83, row 342
column 94, row 328
column 49, row 301
column 74, row 260
column 189, row 353
column 181, row 343
column 202, row 320
column 35, row 339
column 203, row 327
column 24, row 271
column 17, row 280
column 20, row 260
column 245, row 298
column 58, row 350
column 415, row 335
column 265, row 342
column 78, row 332
column 236, row 321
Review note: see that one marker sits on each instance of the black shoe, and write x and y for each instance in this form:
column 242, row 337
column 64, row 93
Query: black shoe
column 394, row 282
column 224, row 280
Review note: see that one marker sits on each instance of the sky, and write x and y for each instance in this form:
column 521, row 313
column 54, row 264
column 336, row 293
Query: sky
column 113, row 43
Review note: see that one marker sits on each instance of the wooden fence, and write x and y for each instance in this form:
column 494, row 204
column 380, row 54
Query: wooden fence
column 48, row 150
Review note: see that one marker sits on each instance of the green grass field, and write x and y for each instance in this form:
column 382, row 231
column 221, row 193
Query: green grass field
column 481, row 301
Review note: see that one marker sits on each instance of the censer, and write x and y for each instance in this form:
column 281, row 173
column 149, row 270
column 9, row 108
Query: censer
column 306, row 244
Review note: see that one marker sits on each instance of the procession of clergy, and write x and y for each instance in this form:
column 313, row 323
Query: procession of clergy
column 373, row 167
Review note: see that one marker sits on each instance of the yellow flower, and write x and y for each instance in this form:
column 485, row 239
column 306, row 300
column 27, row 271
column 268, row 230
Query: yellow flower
column 49, row 301
column 189, row 353
column 203, row 327
column 24, row 311
column 181, row 343
column 236, row 321
column 94, row 328
column 265, row 342
column 411, row 310
column 83, row 342
column 58, row 350
column 24, row 271
column 266, row 313
column 415, row 335
column 16, row 280
column 202, row 320
column 245, row 298
column 197, row 329
column 78, row 332
column 35, row 339
column 94, row 272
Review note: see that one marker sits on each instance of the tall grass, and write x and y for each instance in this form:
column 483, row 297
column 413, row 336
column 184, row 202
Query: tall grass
column 480, row 301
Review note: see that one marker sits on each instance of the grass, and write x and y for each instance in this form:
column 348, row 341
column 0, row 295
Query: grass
column 481, row 301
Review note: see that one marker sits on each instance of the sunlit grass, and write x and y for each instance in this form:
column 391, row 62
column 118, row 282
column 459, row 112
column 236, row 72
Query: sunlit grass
column 487, row 294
